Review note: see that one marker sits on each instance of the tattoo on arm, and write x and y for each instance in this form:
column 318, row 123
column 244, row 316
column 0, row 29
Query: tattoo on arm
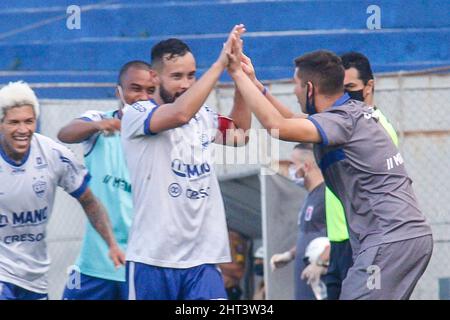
column 97, row 215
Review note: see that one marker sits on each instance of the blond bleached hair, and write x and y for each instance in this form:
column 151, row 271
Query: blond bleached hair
column 17, row 94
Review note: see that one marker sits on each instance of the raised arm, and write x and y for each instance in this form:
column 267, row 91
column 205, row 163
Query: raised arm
column 79, row 130
column 180, row 112
column 294, row 129
column 235, row 132
column 98, row 218
column 248, row 68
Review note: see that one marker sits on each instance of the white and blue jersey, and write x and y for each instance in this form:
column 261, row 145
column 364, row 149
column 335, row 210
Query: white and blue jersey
column 179, row 217
column 110, row 183
column 27, row 194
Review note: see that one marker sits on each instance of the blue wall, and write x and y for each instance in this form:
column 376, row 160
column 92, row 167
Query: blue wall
column 414, row 35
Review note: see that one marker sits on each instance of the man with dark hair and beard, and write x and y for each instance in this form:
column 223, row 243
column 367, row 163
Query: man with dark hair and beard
column 179, row 232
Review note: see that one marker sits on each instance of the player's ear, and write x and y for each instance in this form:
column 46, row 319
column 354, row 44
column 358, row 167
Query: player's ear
column 310, row 91
column 369, row 88
column 155, row 77
column 116, row 91
column 305, row 167
column 119, row 94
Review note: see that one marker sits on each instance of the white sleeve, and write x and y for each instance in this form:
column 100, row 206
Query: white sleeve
column 91, row 115
column 136, row 119
column 73, row 176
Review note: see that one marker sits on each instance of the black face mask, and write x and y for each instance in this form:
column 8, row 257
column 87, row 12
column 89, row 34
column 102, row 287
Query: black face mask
column 310, row 106
column 259, row 269
column 356, row 95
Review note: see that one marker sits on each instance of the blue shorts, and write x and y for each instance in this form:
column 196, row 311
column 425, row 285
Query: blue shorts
column 146, row 282
column 91, row 288
column 9, row 291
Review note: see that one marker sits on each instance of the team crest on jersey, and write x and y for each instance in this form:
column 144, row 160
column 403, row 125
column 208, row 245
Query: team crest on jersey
column 39, row 188
column 308, row 213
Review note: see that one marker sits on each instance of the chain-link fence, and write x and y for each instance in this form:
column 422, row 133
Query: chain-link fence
column 418, row 105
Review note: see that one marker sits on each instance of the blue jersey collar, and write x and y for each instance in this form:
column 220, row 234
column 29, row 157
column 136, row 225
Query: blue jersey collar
column 11, row 161
column 154, row 102
column 116, row 114
column 342, row 99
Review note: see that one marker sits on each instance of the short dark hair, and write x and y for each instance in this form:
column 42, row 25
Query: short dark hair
column 171, row 47
column 359, row 62
column 138, row 64
column 324, row 69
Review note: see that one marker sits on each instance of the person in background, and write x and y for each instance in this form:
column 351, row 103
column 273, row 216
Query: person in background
column 234, row 271
column 99, row 134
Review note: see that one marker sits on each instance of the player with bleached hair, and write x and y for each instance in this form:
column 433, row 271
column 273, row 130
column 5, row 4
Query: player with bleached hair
column 31, row 167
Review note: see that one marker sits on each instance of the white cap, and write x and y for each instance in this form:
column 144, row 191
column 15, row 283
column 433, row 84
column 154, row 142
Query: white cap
column 259, row 253
column 17, row 94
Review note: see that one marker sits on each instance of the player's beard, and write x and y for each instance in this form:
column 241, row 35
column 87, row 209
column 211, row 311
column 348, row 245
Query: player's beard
column 166, row 97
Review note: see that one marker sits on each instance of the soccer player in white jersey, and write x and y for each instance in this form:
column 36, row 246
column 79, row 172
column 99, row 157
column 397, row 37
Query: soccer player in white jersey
column 179, row 230
column 31, row 167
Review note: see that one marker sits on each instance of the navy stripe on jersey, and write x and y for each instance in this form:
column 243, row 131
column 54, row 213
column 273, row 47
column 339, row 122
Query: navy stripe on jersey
column 86, row 119
column 93, row 145
column 321, row 131
column 77, row 193
column 147, row 130
column 331, row 158
column 342, row 99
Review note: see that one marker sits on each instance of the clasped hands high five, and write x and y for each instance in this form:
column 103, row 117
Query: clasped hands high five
column 232, row 57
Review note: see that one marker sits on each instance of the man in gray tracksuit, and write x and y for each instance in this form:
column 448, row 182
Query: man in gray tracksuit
column 362, row 166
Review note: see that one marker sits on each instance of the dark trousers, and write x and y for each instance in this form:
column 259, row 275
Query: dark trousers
column 340, row 261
